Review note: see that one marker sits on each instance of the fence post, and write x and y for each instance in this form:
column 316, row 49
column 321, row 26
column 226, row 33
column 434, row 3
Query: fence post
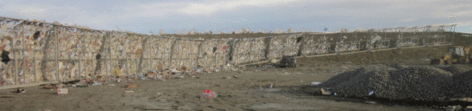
column 338, row 42
column 231, row 51
column 128, row 62
column 302, row 44
column 267, row 49
column 57, row 54
column 13, row 49
column 149, row 52
column 234, row 53
column 16, row 66
column 80, row 56
column 109, row 52
column 171, row 52
column 199, row 52
column 179, row 59
column 453, row 32
column 34, row 67
column 251, row 50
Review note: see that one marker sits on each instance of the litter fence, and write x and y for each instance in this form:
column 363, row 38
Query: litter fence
column 45, row 52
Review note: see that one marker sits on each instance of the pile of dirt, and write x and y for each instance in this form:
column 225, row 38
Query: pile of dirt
column 409, row 83
column 461, row 85
column 456, row 69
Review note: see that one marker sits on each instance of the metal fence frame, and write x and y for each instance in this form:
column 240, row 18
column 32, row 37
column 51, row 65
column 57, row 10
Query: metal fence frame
column 257, row 49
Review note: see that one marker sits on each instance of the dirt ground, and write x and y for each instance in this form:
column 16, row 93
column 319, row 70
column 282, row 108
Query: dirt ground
column 249, row 91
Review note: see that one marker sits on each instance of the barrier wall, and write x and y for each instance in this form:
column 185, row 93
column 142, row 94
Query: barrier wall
column 214, row 52
column 288, row 45
column 42, row 52
column 248, row 50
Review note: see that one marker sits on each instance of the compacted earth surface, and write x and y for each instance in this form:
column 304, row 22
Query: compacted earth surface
column 251, row 88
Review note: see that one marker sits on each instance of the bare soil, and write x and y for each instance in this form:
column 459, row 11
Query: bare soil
column 250, row 91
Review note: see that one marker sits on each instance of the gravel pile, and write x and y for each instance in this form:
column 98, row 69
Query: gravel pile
column 346, row 76
column 414, row 83
column 461, row 85
column 408, row 83
column 456, row 69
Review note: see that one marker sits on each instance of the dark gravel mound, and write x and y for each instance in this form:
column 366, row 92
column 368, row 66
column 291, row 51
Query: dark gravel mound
column 358, row 86
column 409, row 83
column 346, row 76
column 412, row 83
column 461, row 85
column 456, row 69
column 340, row 78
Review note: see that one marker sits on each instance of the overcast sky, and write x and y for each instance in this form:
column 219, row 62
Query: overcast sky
column 172, row 16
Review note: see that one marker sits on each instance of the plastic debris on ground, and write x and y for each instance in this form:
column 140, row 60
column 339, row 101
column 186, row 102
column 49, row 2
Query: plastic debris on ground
column 209, row 94
column 315, row 83
column 19, row 90
column 62, row 91
column 132, row 86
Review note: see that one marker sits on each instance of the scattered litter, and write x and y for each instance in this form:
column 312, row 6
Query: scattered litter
column 97, row 84
column 19, row 91
column 235, row 76
column 454, row 108
column 370, row 102
column 371, row 93
column 129, row 91
column 271, row 85
column 6, row 97
column 315, row 83
column 80, row 85
column 178, row 77
column 132, row 86
column 227, row 77
column 111, row 84
column 324, row 92
column 62, row 91
column 468, row 108
column 209, row 94
column 50, row 86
